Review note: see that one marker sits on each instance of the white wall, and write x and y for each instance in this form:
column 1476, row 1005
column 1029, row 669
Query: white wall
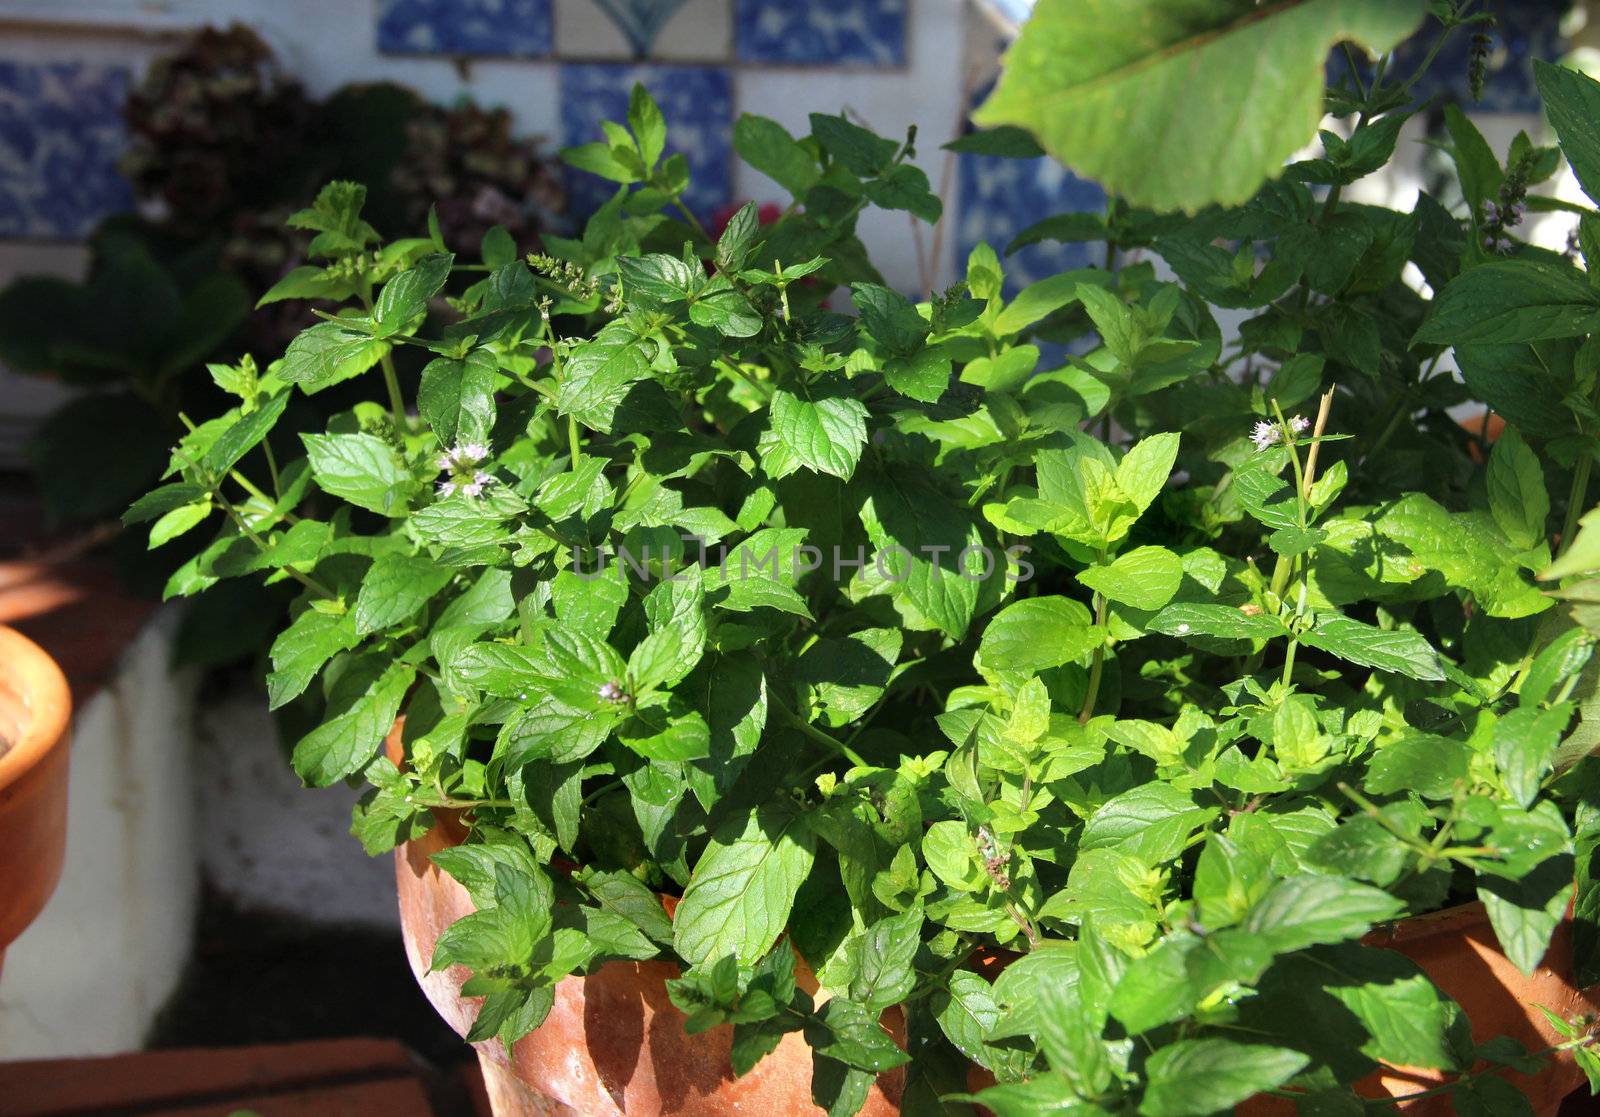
column 89, row 975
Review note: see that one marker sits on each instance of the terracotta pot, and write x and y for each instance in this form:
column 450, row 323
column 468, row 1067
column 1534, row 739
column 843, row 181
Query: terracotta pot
column 35, row 706
column 1457, row 949
column 613, row 1044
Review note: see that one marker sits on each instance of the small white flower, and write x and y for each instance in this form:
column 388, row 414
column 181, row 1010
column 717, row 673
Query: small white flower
column 1263, row 434
column 461, row 463
column 1299, row 424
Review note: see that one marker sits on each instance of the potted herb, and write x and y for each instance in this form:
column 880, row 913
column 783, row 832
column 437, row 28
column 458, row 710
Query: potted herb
column 35, row 708
column 862, row 709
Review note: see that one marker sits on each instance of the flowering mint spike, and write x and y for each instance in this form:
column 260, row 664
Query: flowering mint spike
column 1264, row 434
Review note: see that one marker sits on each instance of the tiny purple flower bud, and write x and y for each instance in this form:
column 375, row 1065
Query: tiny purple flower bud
column 611, row 691
column 1299, row 424
column 446, row 488
column 1491, row 212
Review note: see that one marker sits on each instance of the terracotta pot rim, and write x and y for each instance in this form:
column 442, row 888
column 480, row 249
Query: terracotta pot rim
column 32, row 682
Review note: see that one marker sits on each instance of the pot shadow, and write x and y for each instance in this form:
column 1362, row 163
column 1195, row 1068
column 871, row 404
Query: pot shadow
column 617, row 1000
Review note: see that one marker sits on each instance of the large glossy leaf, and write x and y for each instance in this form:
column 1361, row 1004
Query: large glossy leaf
column 1175, row 105
column 738, row 900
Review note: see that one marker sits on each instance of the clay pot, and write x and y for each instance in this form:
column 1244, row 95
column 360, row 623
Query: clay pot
column 35, row 706
column 613, row 1044
column 1458, row 951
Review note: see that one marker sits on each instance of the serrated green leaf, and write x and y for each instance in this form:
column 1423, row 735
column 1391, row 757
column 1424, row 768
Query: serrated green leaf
column 1036, row 634
column 1143, row 578
column 824, row 433
column 743, row 887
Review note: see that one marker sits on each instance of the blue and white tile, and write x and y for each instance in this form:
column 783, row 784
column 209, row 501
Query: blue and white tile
column 697, row 102
column 821, row 32
column 656, row 30
column 61, row 132
column 1001, row 197
column 506, row 28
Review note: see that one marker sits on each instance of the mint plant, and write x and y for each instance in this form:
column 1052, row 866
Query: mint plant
column 1086, row 711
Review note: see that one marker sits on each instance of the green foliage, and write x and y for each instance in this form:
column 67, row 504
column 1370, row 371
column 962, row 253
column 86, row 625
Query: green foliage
column 1150, row 99
column 847, row 632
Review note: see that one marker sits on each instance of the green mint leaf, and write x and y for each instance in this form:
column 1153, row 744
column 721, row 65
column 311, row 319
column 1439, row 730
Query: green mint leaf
column 1506, row 301
column 1405, row 653
column 1152, row 822
column 360, row 468
column 733, row 247
column 1143, row 578
column 394, row 589
column 1196, row 1077
column 846, row 676
column 1572, row 101
column 725, row 310
column 1525, row 912
column 743, row 887
column 1517, row 495
column 308, row 282
column 1525, row 742
column 1144, row 469
column 768, row 147
column 328, row 353
column 883, row 955
column 244, row 436
column 456, row 398
column 159, row 502
column 302, row 649
column 1224, row 621
column 851, row 1033
column 923, row 376
column 406, row 296
column 599, row 373
column 648, row 126
column 362, row 705
column 1433, row 767
column 658, row 279
column 1303, row 911
column 1038, row 633
column 889, row 318
column 921, row 538
column 906, row 187
column 824, row 433
column 860, row 151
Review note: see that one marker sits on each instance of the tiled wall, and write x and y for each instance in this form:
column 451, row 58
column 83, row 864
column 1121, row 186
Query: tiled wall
column 564, row 65
column 60, row 134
